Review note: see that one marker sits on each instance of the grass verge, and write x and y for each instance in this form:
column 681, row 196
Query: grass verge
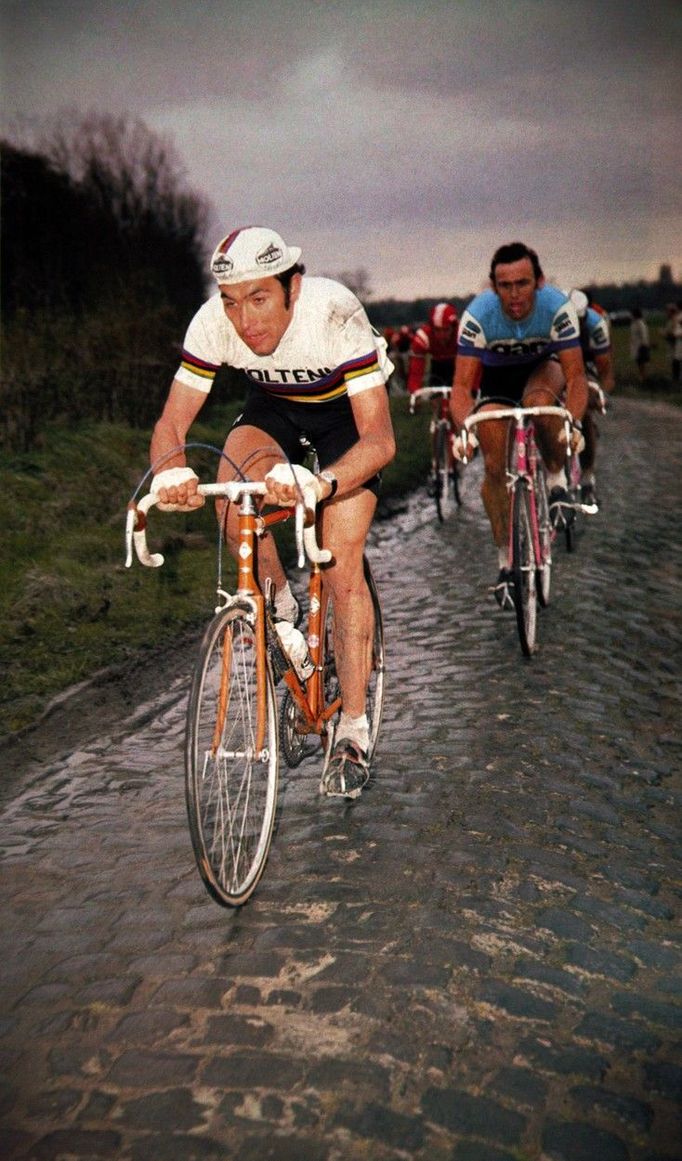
column 68, row 605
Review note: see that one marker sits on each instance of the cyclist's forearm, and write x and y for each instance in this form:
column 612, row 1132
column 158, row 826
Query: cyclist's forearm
column 461, row 404
column 604, row 367
column 166, row 437
column 468, row 373
column 362, row 461
column 577, row 394
column 181, row 408
column 415, row 373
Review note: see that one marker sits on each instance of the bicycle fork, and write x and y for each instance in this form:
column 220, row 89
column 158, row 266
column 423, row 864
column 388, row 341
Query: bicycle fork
column 525, row 462
column 247, row 590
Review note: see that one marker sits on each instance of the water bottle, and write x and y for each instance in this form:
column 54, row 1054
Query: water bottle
column 295, row 646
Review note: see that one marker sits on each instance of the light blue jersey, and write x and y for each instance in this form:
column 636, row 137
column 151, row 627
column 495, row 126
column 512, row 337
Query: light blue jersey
column 596, row 339
column 488, row 334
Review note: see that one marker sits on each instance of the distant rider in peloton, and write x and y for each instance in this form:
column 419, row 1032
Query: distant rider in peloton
column 317, row 370
column 519, row 342
column 595, row 340
column 434, row 349
column 433, row 352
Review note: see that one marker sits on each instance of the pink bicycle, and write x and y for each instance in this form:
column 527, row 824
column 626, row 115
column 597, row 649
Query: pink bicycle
column 531, row 532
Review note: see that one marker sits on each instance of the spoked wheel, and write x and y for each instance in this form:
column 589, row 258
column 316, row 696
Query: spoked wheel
column 445, row 484
column 523, row 566
column 375, row 690
column 455, row 476
column 295, row 746
column 231, row 759
column 573, row 489
column 543, row 571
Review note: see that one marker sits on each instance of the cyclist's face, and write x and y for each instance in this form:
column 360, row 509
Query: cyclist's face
column 516, row 284
column 258, row 311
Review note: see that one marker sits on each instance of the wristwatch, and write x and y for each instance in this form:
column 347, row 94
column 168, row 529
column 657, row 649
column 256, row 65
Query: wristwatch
column 331, row 479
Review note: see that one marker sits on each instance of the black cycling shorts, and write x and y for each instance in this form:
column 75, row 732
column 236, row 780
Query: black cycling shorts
column 508, row 383
column 326, row 428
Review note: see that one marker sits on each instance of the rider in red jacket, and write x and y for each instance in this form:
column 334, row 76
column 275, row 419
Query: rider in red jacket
column 433, row 349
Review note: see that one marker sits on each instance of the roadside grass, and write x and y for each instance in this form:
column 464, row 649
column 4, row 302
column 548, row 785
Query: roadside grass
column 658, row 383
column 68, row 605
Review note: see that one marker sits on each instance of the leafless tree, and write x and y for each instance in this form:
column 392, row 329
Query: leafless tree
column 357, row 281
column 129, row 170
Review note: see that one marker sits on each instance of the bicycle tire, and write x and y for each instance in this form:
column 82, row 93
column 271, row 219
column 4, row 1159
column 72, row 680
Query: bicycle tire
column 231, row 791
column 523, row 567
column 455, row 477
column 573, row 489
column 442, row 483
column 543, row 572
column 295, row 747
column 377, row 679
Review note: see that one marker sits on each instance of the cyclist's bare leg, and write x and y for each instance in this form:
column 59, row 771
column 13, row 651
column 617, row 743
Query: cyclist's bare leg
column 589, row 453
column 545, row 388
column 345, row 524
column 254, row 453
column 492, row 437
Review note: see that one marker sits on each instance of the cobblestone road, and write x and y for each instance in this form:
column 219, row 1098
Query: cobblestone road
column 477, row 961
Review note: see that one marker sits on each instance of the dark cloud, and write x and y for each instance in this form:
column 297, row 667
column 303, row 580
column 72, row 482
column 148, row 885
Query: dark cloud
column 372, row 123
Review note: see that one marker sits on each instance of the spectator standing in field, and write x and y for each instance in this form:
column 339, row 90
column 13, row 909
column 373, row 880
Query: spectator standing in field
column 672, row 333
column 640, row 349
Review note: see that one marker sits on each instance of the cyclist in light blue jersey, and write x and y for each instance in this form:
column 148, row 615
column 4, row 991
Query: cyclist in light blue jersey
column 595, row 338
column 519, row 342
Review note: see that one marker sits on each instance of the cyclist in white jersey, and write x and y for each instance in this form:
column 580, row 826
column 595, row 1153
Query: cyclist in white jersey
column 317, row 372
column 518, row 343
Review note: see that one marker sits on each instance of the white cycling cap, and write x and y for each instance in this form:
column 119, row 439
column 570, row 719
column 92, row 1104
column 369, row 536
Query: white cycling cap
column 580, row 301
column 251, row 252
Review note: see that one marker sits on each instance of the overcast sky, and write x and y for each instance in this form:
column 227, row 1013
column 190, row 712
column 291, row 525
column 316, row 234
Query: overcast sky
column 408, row 138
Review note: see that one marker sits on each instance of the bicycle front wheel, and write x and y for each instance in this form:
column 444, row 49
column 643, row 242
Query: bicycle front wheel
column 377, row 676
column 523, row 566
column 543, row 572
column 573, row 489
column 231, row 758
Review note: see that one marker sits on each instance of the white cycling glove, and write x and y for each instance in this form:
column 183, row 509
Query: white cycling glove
column 171, row 478
column 573, row 436
column 464, row 445
column 296, row 476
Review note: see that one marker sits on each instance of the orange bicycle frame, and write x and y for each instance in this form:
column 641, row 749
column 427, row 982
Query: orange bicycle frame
column 309, row 696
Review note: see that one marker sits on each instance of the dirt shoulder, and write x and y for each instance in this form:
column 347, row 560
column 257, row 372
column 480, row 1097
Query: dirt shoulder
column 103, row 705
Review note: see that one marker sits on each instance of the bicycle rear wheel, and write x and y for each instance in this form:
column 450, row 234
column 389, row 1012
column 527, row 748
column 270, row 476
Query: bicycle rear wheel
column 455, row 477
column 523, row 567
column 442, row 483
column 231, row 773
column 295, row 745
column 377, row 677
column 543, row 572
column 573, row 488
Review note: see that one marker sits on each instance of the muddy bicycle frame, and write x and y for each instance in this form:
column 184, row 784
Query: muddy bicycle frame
column 530, row 530
column 309, row 695
column 523, row 456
